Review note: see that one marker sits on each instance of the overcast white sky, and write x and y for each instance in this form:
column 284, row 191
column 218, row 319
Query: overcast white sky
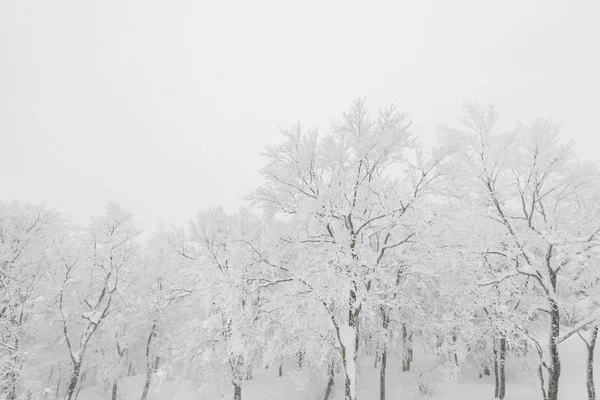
column 164, row 106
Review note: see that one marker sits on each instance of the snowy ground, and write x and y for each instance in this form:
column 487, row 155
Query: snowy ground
column 400, row 385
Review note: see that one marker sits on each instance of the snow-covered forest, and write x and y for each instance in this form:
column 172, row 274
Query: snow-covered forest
column 366, row 266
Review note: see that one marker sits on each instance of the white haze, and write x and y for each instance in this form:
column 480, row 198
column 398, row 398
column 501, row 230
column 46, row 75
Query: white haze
column 164, row 106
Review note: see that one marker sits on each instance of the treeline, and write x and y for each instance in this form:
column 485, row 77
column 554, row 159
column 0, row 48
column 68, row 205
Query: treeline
column 359, row 244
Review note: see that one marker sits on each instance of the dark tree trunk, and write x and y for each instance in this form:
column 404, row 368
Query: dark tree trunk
column 300, row 359
column 410, row 349
column 81, row 383
column 543, row 385
column 146, row 384
column 330, row 381
column 385, row 320
column 237, row 391
column 280, row 374
column 382, row 374
column 406, row 349
column 148, row 381
column 348, row 395
column 496, row 371
column 591, row 387
column 12, row 376
column 454, row 340
column 501, row 367
column 73, row 381
column 354, row 308
column 151, row 365
column 249, row 371
column 555, row 366
column 350, row 376
column 115, row 390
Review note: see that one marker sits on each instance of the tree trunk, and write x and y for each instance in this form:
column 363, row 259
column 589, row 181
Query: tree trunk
column 10, row 387
column 237, row 391
column 280, row 368
column 501, row 367
column 591, row 387
column 81, row 383
column 542, row 384
column 454, row 340
column 382, row 374
column 385, row 320
column 147, row 383
column 300, row 359
column 151, row 365
column 496, row 372
column 406, row 349
column 249, row 371
column 69, row 395
column 348, row 339
column 349, row 343
column 115, row 390
column 410, row 350
column 330, row 381
column 349, row 361
column 555, row 366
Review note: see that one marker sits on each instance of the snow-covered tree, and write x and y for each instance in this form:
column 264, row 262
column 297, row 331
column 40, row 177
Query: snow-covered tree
column 224, row 332
column 531, row 183
column 26, row 232
column 159, row 292
column 96, row 267
column 349, row 194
